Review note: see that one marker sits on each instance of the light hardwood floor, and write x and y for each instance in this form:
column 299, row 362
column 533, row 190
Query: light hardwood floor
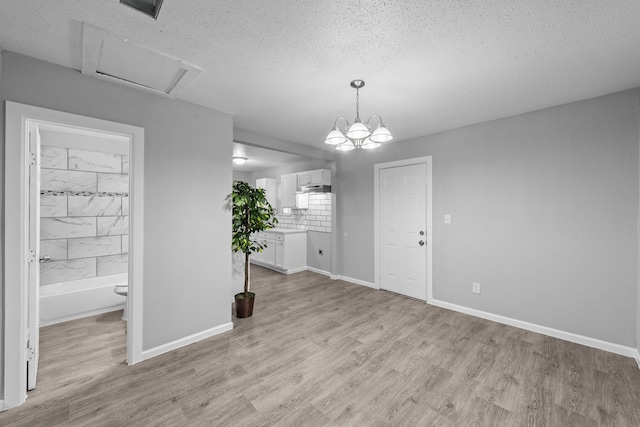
column 322, row 352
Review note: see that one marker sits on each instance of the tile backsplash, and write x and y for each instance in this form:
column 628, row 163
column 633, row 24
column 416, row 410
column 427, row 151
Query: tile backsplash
column 317, row 218
column 84, row 208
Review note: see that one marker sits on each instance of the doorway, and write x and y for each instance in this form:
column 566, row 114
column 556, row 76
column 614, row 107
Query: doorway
column 21, row 246
column 403, row 227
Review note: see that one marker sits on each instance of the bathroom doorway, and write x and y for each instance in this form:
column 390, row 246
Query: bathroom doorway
column 74, row 221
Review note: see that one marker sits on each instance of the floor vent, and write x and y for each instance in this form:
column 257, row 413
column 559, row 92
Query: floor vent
column 115, row 58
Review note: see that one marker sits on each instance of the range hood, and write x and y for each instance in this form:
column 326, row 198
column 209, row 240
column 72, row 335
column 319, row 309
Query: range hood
column 316, row 188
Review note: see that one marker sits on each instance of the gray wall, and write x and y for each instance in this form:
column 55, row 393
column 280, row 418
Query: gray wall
column 315, row 242
column 187, row 261
column 545, row 210
column 242, row 176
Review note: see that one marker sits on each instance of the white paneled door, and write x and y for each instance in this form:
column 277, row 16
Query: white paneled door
column 33, row 323
column 403, row 236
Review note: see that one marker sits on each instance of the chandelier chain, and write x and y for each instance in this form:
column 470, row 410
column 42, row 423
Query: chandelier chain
column 357, row 104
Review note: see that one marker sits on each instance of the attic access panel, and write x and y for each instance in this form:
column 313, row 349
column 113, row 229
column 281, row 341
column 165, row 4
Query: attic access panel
column 148, row 7
column 114, row 58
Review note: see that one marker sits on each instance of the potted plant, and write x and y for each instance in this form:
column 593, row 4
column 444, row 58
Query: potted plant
column 251, row 213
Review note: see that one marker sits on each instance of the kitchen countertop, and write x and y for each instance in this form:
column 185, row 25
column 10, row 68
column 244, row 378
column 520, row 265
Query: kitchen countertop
column 285, row 230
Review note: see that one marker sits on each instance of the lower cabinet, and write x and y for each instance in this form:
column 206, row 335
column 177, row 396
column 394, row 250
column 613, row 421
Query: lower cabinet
column 280, row 255
column 286, row 252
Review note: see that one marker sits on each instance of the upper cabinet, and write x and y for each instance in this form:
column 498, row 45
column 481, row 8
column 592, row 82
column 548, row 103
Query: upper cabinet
column 270, row 187
column 315, row 177
column 289, row 185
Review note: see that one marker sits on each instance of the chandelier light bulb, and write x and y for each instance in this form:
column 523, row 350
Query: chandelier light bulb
column 335, row 137
column 358, row 130
column 381, row 134
column 347, row 146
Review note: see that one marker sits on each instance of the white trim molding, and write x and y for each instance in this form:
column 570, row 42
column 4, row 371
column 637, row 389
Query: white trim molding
column 293, row 270
column 173, row 345
column 544, row 330
column 318, row 271
column 18, row 118
column 355, row 281
column 428, row 162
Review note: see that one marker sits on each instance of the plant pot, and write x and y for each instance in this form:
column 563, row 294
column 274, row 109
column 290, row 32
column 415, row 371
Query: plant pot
column 244, row 304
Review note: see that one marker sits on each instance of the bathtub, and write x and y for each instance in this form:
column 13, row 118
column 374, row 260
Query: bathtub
column 64, row 301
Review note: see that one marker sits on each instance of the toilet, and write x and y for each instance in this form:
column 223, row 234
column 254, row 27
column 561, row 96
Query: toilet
column 123, row 289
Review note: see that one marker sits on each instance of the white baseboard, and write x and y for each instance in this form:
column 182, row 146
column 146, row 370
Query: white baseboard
column 567, row 336
column 293, row 270
column 355, row 281
column 2, row 408
column 165, row 348
column 638, row 358
column 317, row 270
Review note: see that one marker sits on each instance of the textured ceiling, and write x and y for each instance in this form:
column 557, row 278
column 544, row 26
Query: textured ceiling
column 283, row 68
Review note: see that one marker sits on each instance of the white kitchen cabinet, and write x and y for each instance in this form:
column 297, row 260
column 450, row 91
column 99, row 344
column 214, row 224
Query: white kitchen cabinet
column 257, row 256
column 302, row 200
column 268, row 255
column 304, row 178
column 286, row 251
column 314, row 177
column 270, row 187
column 280, row 252
column 289, row 184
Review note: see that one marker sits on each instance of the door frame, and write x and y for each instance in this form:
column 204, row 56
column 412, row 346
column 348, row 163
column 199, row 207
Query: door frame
column 16, row 223
column 33, row 237
column 428, row 161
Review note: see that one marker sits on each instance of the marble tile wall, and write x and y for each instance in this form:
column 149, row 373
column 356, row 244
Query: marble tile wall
column 84, row 208
column 316, row 218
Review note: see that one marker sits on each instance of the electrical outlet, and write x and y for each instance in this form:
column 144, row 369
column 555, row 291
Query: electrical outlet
column 476, row 288
column 320, row 252
column 447, row 218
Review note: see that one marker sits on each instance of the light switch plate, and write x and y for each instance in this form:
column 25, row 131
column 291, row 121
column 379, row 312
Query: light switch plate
column 447, row 218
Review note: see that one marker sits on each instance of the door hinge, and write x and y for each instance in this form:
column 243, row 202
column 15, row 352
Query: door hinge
column 31, row 354
column 31, row 256
column 32, row 159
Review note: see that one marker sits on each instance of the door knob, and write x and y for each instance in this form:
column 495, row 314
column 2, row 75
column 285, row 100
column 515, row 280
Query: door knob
column 45, row 258
column 421, row 242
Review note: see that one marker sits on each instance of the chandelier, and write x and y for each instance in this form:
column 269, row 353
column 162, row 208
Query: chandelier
column 358, row 135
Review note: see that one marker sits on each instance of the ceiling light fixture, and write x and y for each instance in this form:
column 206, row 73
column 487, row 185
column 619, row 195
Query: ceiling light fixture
column 238, row 160
column 358, row 135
